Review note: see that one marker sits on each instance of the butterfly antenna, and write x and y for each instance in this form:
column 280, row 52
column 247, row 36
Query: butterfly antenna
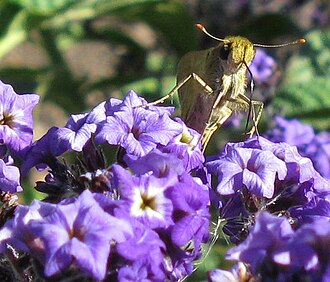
column 298, row 41
column 202, row 28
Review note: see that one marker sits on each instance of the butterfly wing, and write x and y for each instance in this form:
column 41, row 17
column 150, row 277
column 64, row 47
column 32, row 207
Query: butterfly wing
column 195, row 100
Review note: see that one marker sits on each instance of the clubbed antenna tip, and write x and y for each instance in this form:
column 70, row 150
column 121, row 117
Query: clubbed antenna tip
column 199, row 26
column 202, row 28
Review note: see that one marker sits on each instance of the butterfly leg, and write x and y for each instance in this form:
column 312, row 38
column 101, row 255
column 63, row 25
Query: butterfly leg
column 255, row 108
column 256, row 115
column 193, row 76
column 221, row 114
column 207, row 133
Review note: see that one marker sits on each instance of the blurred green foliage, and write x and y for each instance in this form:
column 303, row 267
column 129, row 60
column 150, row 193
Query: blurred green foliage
column 57, row 25
column 146, row 38
column 305, row 92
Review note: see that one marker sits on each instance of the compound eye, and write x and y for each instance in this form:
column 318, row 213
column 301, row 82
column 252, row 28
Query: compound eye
column 224, row 52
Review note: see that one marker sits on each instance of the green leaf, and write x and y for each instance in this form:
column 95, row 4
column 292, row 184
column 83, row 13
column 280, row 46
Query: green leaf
column 22, row 72
column 91, row 9
column 43, row 7
column 7, row 11
column 118, row 5
column 16, row 33
column 24, row 79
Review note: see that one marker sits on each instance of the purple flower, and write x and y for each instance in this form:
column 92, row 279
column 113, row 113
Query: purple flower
column 191, row 213
column 138, row 271
column 145, row 196
column 306, row 249
column 319, row 152
column 316, row 208
column 16, row 231
column 262, row 66
column 237, row 273
column 269, row 233
column 98, row 113
column 292, row 132
column 298, row 167
column 43, row 151
column 138, row 130
column 9, row 178
column 175, row 206
column 186, row 146
column 76, row 132
column 156, row 162
column 79, row 128
column 179, row 263
column 74, row 136
column 132, row 100
column 16, row 129
column 254, row 168
column 309, row 144
column 79, row 233
column 143, row 241
column 145, row 253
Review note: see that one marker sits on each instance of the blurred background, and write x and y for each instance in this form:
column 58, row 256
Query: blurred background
column 77, row 53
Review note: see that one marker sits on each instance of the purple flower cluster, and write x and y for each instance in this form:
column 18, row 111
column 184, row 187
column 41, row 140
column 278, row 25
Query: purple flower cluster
column 77, row 232
column 143, row 218
column 170, row 219
column 146, row 216
column 274, row 250
column 138, row 130
column 269, row 196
